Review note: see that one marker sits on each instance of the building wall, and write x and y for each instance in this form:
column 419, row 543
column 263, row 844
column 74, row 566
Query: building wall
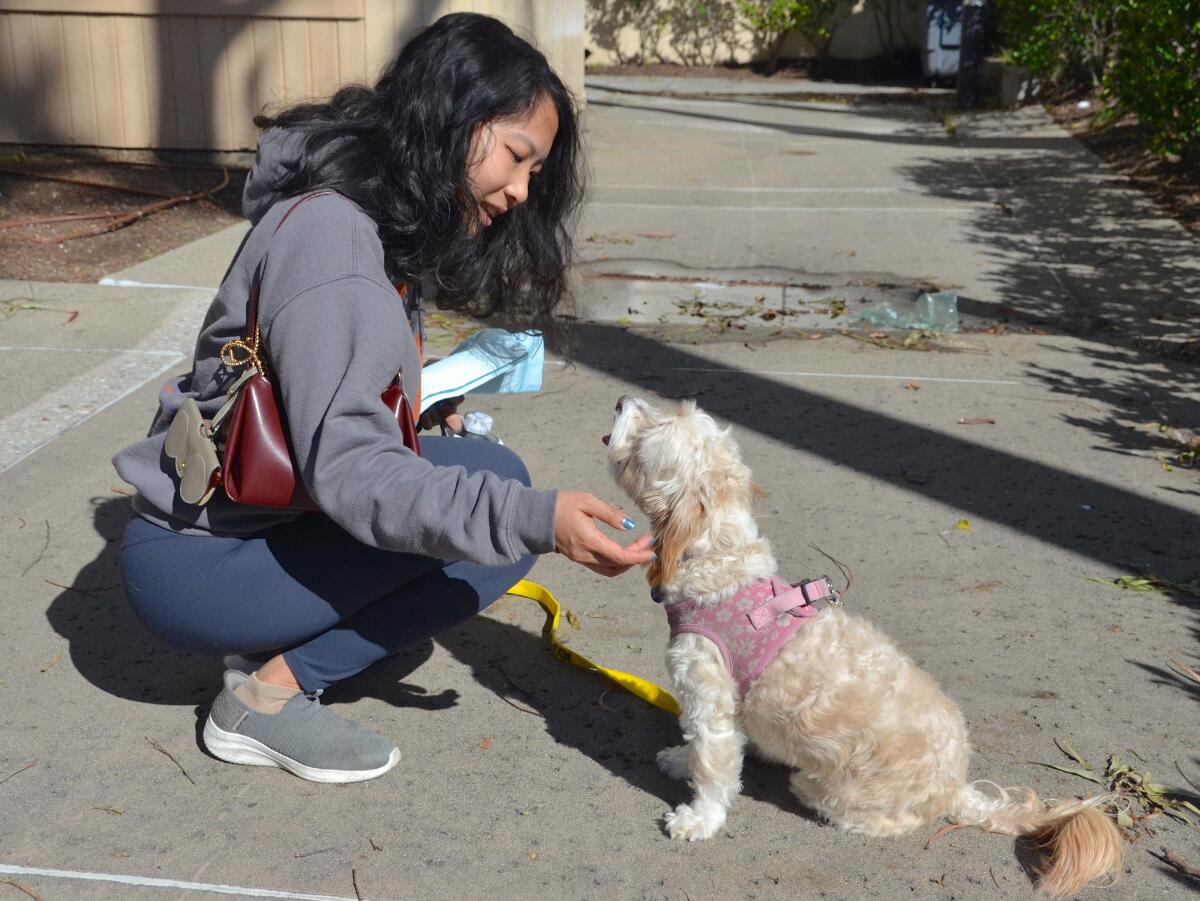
column 191, row 74
column 856, row 36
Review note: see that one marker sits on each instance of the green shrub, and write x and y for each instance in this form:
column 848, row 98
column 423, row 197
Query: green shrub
column 1067, row 41
column 1142, row 54
column 771, row 21
column 1157, row 70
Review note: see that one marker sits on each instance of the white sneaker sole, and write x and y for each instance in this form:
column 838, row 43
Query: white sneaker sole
column 234, row 748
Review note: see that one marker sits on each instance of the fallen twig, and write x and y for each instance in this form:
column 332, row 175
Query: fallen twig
column 118, row 219
column 510, row 701
column 82, row 182
column 1183, row 669
column 50, row 220
column 21, row 888
column 1171, row 859
column 1185, row 777
column 21, row 770
column 311, row 853
column 847, row 574
column 41, row 553
column 88, row 591
column 944, row 831
column 156, row 746
column 914, row 342
column 993, row 875
column 354, row 882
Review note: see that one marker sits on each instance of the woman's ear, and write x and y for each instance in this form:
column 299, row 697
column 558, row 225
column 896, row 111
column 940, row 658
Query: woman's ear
column 675, row 528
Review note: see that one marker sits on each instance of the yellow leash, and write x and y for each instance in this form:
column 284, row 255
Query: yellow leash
column 647, row 691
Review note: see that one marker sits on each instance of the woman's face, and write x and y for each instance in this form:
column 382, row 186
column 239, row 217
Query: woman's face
column 506, row 154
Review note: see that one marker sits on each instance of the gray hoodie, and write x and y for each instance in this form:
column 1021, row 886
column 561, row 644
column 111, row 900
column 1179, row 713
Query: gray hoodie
column 336, row 333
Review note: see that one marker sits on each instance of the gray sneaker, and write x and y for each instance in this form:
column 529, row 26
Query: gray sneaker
column 303, row 738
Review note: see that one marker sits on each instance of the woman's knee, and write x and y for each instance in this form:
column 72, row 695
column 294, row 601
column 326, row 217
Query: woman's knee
column 508, row 465
column 475, row 456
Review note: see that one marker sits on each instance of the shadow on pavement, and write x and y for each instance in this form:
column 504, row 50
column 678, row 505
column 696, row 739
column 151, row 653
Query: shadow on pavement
column 1121, row 531
column 924, row 136
column 1131, row 388
column 1068, row 243
column 108, row 646
column 585, row 712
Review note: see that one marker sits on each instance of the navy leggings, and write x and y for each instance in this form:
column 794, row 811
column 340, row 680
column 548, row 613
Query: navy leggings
column 336, row 605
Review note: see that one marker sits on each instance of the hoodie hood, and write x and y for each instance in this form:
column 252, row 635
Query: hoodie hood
column 279, row 149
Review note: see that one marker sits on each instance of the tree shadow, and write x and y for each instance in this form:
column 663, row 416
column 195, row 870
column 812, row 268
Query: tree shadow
column 1068, row 242
column 1130, row 393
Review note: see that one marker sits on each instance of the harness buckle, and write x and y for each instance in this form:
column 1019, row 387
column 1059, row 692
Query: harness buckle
column 821, row 589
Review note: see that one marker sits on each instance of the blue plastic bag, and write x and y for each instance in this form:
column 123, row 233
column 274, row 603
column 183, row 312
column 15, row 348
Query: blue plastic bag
column 492, row 361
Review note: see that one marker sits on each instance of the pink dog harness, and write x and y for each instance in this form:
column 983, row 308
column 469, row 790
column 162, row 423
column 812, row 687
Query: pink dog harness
column 754, row 624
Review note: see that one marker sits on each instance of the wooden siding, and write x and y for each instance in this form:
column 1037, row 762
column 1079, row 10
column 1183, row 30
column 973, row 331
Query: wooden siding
column 120, row 77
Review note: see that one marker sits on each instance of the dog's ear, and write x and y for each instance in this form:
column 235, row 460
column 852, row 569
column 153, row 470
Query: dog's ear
column 675, row 528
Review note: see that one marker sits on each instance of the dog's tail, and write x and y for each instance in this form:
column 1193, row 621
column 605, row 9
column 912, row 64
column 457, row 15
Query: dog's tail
column 1077, row 842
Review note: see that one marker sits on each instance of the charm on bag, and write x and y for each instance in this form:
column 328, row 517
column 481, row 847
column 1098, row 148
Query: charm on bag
column 190, row 445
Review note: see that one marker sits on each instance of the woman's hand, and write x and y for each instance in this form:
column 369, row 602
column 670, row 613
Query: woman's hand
column 577, row 538
column 444, row 412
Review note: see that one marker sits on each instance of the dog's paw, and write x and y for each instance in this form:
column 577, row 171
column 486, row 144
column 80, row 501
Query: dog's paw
column 685, row 822
column 675, row 761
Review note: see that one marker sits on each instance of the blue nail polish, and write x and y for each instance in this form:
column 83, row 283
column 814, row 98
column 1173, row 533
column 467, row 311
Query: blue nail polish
column 628, row 523
column 654, row 556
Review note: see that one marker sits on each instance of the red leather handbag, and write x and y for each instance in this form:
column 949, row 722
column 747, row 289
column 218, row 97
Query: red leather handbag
column 257, row 465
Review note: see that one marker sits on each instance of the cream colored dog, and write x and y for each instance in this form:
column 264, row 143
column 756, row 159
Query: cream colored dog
column 875, row 745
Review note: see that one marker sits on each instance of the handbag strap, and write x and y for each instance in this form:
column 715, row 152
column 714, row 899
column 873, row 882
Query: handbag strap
column 251, row 344
column 252, row 333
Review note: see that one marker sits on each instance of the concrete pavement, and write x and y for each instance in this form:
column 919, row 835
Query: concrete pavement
column 523, row 778
column 810, row 201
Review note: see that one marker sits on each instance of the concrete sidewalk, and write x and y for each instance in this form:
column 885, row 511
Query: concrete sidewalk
column 523, row 778
column 722, row 202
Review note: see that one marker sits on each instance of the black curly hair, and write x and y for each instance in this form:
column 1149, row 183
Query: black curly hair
column 400, row 150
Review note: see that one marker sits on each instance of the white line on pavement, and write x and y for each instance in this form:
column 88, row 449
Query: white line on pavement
column 32, row 428
column 90, row 350
column 831, row 375
column 703, row 207
column 707, row 190
column 127, row 283
column 155, row 882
